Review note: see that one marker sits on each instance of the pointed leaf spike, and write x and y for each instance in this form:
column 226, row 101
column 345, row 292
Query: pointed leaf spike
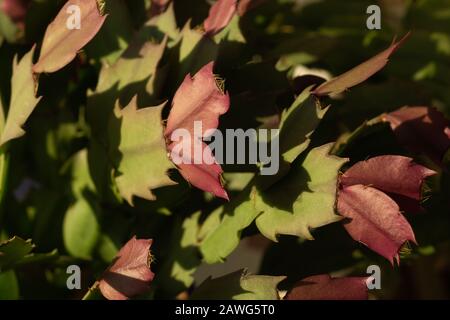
column 220, row 16
column 359, row 73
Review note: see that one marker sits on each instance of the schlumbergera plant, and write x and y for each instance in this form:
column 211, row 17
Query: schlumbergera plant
column 96, row 94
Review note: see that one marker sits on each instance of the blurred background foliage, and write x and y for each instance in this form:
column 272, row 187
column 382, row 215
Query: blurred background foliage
column 48, row 195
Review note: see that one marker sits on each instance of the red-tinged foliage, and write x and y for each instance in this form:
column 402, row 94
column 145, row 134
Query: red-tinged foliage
column 391, row 174
column 422, row 130
column 374, row 220
column 359, row 73
column 101, row 137
column 130, row 274
column 206, row 174
column 220, row 15
column 61, row 44
column 199, row 99
column 158, row 6
column 324, row 287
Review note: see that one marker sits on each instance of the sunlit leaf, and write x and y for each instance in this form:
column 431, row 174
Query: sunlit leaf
column 139, row 151
column 23, row 99
column 422, row 130
column 130, row 274
column 220, row 15
column 61, row 43
column 304, row 199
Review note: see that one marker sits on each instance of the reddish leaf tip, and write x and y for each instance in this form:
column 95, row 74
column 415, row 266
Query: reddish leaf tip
column 219, row 16
column 324, row 287
column 130, row 274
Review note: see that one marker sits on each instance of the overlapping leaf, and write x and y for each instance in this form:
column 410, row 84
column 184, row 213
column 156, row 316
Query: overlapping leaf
column 13, row 250
column 3, row 156
column 221, row 231
column 307, row 110
column 220, row 15
column 177, row 273
column 130, row 274
column 206, row 174
column 239, row 285
column 158, row 6
column 128, row 76
column 392, row 174
column 324, row 287
column 115, row 34
column 15, row 9
column 198, row 100
column 422, row 130
column 358, row 74
column 17, row 251
column 81, row 227
column 375, row 218
column 304, row 199
column 195, row 51
column 140, row 157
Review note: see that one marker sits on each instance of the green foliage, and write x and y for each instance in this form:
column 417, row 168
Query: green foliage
column 239, row 286
column 94, row 169
column 141, row 151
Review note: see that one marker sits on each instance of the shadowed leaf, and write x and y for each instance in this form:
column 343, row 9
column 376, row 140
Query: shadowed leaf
column 295, row 138
column 205, row 175
column 140, row 157
column 198, row 99
column 324, row 287
column 302, row 200
column 219, row 16
column 359, row 73
column 16, row 10
column 81, row 230
column 246, row 5
column 195, row 51
column 23, row 100
column 422, row 130
column 375, row 220
column 130, row 273
column 239, row 286
column 13, row 250
column 392, row 174
column 16, row 251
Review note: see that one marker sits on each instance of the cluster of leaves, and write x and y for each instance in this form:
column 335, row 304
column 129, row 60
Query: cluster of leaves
column 86, row 121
